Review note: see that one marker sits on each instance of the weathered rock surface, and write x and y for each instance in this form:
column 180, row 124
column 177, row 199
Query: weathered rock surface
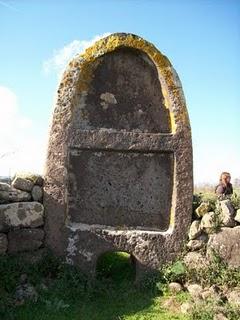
column 14, row 195
column 124, row 186
column 237, row 216
column 195, row 291
column 234, row 297
column 227, row 244
column 4, row 196
column 220, row 316
column 186, row 307
column 208, row 222
column 3, row 243
column 227, row 213
column 24, row 214
column 24, row 292
column 4, row 186
column 175, row 287
column 212, row 293
column 37, row 179
column 22, row 184
column 198, row 243
column 19, row 195
column 37, row 193
column 25, row 240
column 202, row 209
column 194, row 230
column 195, row 260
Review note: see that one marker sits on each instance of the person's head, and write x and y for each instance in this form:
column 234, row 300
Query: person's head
column 225, row 178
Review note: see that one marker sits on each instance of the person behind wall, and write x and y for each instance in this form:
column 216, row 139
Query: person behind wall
column 224, row 189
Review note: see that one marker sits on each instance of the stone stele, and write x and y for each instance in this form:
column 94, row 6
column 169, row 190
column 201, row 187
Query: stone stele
column 119, row 166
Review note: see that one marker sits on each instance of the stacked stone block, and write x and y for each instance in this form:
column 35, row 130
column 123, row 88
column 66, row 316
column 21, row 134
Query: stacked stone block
column 21, row 214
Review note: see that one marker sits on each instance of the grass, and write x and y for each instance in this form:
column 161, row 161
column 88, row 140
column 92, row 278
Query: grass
column 71, row 295
column 65, row 293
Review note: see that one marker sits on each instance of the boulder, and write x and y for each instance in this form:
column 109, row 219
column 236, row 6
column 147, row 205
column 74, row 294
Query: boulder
column 212, row 293
column 22, row 184
column 227, row 244
column 237, row 216
column 22, row 214
column 4, row 186
column 16, row 195
column 24, row 292
column 227, row 213
column 4, row 196
column 234, row 297
column 3, row 243
column 195, row 261
column 197, row 243
column 175, row 287
column 37, row 193
column 25, row 240
column 202, row 209
column 209, row 222
column 220, row 316
column 186, row 307
column 36, row 179
column 194, row 230
column 195, row 291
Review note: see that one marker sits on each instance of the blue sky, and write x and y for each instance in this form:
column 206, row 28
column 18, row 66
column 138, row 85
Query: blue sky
column 200, row 37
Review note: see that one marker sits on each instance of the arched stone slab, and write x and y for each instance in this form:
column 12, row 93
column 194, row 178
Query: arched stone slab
column 119, row 166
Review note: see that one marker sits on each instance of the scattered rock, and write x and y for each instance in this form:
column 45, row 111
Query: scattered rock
column 186, row 307
column 37, row 193
column 175, row 287
column 212, row 293
column 195, row 230
column 227, row 244
column 195, row 260
column 195, row 291
column 237, row 216
column 220, row 316
column 26, row 292
column 23, row 278
column 3, row 243
column 171, row 304
column 195, row 244
column 22, row 184
column 208, row 222
column 24, row 214
column 203, row 209
column 25, row 240
column 234, row 297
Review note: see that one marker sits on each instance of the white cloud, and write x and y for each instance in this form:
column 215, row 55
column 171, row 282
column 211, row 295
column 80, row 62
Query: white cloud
column 62, row 56
column 22, row 146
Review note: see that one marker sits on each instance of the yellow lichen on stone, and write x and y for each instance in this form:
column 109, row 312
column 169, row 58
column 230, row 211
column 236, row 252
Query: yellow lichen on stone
column 172, row 121
column 89, row 60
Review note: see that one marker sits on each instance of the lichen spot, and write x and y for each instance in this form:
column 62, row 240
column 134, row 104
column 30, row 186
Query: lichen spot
column 107, row 98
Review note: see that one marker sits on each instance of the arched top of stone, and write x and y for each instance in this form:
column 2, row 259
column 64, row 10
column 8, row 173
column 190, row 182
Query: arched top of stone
column 80, row 73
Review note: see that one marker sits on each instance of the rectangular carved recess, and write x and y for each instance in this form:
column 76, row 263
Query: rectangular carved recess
column 120, row 189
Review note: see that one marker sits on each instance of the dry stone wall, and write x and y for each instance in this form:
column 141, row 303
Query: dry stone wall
column 21, row 214
column 215, row 230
